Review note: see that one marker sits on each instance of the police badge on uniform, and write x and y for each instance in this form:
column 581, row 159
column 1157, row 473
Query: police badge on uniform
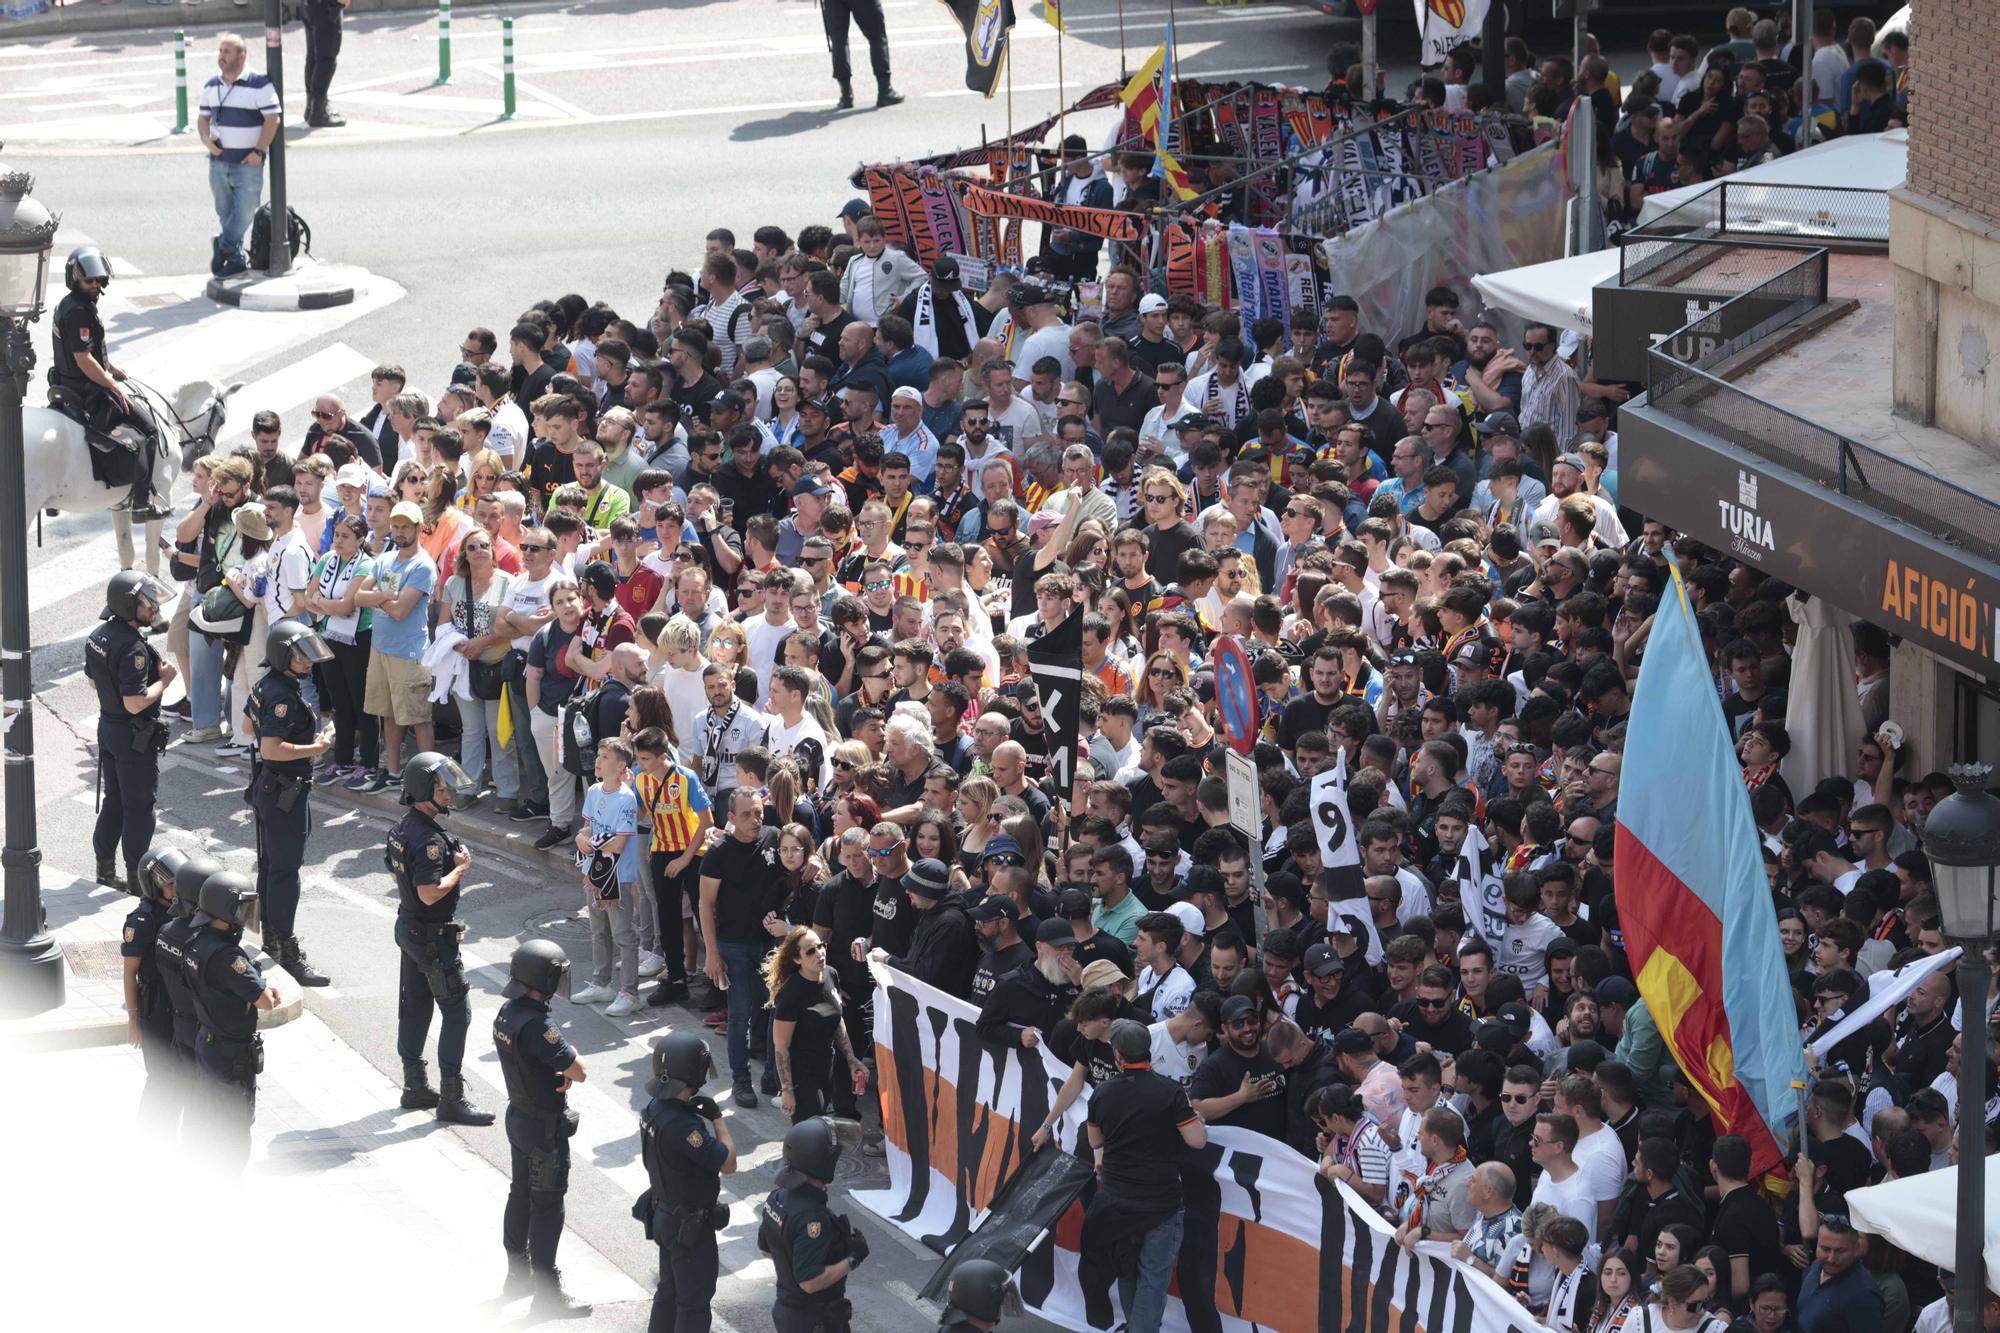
column 812, row 1230
column 241, row 965
column 139, row 661
column 278, row 710
column 694, row 1138
column 128, row 934
column 550, row 1036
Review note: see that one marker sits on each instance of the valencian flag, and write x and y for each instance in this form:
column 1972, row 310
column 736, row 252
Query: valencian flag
column 985, row 24
column 1693, row 900
column 1149, row 94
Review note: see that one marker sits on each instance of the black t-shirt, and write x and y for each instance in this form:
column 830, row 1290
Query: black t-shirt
column 1139, row 1114
column 814, row 1008
column 549, row 468
column 1843, row 1162
column 1100, row 1064
column 1221, row 1074
column 846, row 913
column 1036, row 743
column 996, row 964
column 753, row 883
column 1104, row 944
column 895, row 917
column 1303, row 714
column 1339, row 1012
column 825, row 340
column 1745, row 1224
column 694, row 399
column 1023, row 589
column 1150, row 356
column 1454, row 1034
column 1163, row 557
column 533, row 385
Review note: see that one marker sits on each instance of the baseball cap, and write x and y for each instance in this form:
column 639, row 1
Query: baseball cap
column 352, row 474
column 1236, row 1007
column 1003, row 845
column 853, row 208
column 1543, row 533
column 945, row 272
column 1516, row 1016
column 1131, row 1042
column 409, row 511
column 907, row 393
column 1498, row 423
column 1041, row 521
column 1493, row 1035
column 728, row 400
column 1618, row 991
column 1030, row 293
column 1570, row 460
column 1152, row 303
column 819, row 405
column 1074, row 905
column 1190, row 918
column 996, row 906
column 601, row 577
column 1323, row 961
column 1192, row 421
column 1353, row 1041
column 812, row 484
column 928, row 878
column 1056, row 932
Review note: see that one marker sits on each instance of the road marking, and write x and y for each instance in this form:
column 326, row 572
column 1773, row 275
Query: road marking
column 469, row 105
column 283, row 389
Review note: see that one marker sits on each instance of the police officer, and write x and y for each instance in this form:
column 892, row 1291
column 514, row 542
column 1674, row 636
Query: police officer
column 866, row 15
column 228, row 991
column 149, row 1015
column 980, row 1293
column 687, row 1150
column 173, row 952
column 288, row 740
column 429, row 865
column 538, row 1066
column 322, row 21
column 130, row 678
column 812, row 1249
column 81, row 373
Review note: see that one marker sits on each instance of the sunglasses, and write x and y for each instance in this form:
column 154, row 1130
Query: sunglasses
column 1422, row 1003
column 1166, row 498
column 1163, row 674
column 324, row 416
column 876, row 585
column 845, row 765
column 1517, row 1098
column 1003, row 860
column 879, row 852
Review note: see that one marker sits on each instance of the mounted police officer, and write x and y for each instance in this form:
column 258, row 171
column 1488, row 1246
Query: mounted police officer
column 538, row 1066
column 149, row 1014
column 980, row 1293
column 228, row 991
column 813, row 1249
column 288, row 740
column 84, row 384
column 687, row 1150
column 429, row 865
column 173, row 950
column 130, row 678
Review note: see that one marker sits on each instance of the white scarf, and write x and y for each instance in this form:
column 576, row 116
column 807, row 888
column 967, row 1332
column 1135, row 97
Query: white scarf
column 926, row 321
column 335, row 575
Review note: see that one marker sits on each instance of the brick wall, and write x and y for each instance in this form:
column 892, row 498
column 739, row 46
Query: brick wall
column 1954, row 156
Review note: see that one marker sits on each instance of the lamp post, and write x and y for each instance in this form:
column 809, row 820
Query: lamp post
column 31, row 971
column 1962, row 838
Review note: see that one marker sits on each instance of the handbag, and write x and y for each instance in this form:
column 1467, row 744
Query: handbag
column 485, row 680
column 222, row 617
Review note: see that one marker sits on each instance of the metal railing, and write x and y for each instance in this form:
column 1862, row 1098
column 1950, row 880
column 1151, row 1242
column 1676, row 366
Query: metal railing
column 1736, row 212
column 1691, row 391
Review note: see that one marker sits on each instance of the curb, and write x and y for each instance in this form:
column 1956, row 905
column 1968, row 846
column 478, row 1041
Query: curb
column 84, row 1034
column 478, row 828
column 310, row 286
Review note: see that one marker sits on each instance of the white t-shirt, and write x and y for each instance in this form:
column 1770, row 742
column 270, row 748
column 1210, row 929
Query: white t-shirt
column 1169, row 994
column 1571, row 1197
column 1051, row 341
column 1600, row 1160
column 685, row 697
column 1015, row 426
column 528, row 597
column 1175, row 1059
column 807, row 742
column 1523, row 950
column 761, row 639
column 508, row 435
column 290, row 564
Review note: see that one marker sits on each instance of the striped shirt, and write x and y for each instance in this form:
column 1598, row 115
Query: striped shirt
column 235, row 112
column 675, row 801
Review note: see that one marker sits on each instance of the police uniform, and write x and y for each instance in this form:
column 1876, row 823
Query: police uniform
column 683, row 1159
column 77, row 330
column 172, row 949
column 280, row 795
column 226, row 984
column 533, row 1055
column 804, row 1238
column 421, row 852
column 164, row 1064
column 120, row 663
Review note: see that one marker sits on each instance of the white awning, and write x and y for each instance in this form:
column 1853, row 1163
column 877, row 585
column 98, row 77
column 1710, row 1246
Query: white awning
column 1859, row 162
column 1919, row 1214
column 1557, row 292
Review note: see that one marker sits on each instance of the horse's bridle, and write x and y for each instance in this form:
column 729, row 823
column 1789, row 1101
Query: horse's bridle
column 197, row 444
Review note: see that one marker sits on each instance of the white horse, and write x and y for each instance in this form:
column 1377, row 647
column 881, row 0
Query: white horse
column 58, row 457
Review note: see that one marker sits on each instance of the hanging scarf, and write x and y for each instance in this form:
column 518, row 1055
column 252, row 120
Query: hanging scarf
column 1615, row 1321
column 717, row 729
column 1424, row 1184
column 1350, row 1155
column 925, row 324
column 1753, row 778
column 1233, row 410
column 334, row 576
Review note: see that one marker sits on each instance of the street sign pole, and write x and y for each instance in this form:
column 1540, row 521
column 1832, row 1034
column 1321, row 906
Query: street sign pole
column 274, row 67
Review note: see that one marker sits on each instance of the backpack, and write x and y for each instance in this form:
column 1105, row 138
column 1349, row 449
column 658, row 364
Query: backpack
column 579, row 750
column 260, row 236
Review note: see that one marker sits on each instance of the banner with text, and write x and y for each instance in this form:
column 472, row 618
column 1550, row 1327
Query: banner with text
column 957, row 1116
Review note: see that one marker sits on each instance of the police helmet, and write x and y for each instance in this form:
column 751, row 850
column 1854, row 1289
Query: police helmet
column 127, row 589
column 194, row 873
column 979, row 1290
column 228, row 896
column 680, row 1061
column 293, row 637
column 159, row 870
column 86, row 261
column 538, row 965
column 426, row 772
column 811, row 1150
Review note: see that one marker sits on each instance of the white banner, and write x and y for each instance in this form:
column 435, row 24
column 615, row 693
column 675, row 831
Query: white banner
column 1298, row 1254
column 1885, row 989
column 1481, row 887
column 1444, row 24
column 1332, row 820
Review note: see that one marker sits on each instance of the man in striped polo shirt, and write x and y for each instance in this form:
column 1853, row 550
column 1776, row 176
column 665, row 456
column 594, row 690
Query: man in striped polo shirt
column 239, row 118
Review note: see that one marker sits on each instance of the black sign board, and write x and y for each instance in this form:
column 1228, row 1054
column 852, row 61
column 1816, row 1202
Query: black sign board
column 1908, row 582
column 1628, row 321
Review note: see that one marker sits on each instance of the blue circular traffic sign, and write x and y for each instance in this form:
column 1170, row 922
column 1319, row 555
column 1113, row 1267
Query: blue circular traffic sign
column 1235, row 694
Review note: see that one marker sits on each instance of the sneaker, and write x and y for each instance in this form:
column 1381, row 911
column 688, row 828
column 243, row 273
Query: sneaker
column 872, row 1145
column 202, row 735
column 623, row 1005
column 182, row 708
column 380, row 779
column 667, row 994
column 359, row 779
column 555, row 837
column 744, row 1096
column 592, row 995
column 651, row 965
column 529, row 811
column 231, row 745
column 717, row 1020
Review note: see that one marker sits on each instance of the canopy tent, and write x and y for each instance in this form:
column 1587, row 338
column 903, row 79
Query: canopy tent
column 1877, row 162
column 1557, row 292
column 1919, row 1216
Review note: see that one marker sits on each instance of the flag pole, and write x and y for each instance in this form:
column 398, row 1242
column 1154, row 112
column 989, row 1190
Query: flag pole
column 1062, row 91
column 1123, row 71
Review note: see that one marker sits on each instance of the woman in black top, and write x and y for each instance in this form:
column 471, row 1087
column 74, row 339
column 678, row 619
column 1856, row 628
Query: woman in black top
column 806, row 1026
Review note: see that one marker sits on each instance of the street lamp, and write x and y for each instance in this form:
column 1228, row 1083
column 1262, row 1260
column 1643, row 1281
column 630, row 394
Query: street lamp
column 31, row 970
column 1962, row 838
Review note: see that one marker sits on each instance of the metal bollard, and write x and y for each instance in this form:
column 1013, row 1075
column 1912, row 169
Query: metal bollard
column 444, row 42
column 180, row 81
column 507, row 67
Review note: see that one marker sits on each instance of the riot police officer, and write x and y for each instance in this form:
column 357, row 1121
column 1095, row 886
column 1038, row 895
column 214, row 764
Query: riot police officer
column 538, row 1066
column 813, row 1249
column 429, row 865
column 228, row 991
column 979, row 1294
column 687, row 1150
column 172, row 953
column 149, row 1014
column 130, row 678
column 288, row 740
column 82, row 378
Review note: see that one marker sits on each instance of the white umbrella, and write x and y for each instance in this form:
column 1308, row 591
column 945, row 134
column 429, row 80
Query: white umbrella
column 1821, row 711
column 1918, row 1214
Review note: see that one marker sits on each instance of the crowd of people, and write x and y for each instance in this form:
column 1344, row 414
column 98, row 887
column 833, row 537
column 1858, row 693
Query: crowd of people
column 735, row 602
